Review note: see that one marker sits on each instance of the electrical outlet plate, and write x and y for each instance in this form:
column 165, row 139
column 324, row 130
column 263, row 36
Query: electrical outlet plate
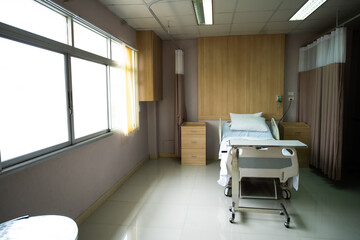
column 291, row 99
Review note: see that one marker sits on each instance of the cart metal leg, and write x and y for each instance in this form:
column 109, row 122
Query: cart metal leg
column 235, row 196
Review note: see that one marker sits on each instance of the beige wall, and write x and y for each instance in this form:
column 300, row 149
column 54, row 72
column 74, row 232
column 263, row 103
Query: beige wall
column 70, row 183
column 166, row 106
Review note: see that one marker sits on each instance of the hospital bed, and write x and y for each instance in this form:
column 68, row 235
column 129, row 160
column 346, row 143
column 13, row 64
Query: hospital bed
column 257, row 154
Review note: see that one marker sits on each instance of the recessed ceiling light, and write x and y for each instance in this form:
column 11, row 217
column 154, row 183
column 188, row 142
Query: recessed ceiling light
column 308, row 8
column 203, row 11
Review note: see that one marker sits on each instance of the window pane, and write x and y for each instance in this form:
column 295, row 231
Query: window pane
column 89, row 40
column 89, row 97
column 117, row 52
column 118, row 98
column 34, row 17
column 32, row 99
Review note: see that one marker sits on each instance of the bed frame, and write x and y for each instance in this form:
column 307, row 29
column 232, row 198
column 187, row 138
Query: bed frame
column 275, row 159
column 244, row 152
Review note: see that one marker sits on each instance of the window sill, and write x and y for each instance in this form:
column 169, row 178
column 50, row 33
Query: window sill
column 34, row 161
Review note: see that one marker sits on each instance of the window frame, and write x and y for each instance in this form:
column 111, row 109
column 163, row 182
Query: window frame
column 68, row 50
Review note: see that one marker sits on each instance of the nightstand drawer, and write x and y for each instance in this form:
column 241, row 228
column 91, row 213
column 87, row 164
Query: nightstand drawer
column 193, row 156
column 193, row 130
column 193, row 141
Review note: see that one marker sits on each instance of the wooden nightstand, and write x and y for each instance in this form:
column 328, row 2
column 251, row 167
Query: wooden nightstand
column 193, row 143
column 297, row 131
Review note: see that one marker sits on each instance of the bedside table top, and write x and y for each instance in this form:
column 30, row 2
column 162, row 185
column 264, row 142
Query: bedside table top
column 193, row 124
column 294, row 125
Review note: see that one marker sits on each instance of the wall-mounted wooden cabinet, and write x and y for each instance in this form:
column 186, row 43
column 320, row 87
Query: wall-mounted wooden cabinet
column 149, row 65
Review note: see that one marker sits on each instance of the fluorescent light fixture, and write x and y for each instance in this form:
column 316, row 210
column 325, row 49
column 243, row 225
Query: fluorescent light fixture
column 203, row 11
column 308, row 8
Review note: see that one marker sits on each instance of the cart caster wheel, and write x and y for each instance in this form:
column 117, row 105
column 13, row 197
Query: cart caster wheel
column 287, row 225
column 286, row 194
column 230, row 209
column 231, row 220
column 281, row 213
column 227, row 192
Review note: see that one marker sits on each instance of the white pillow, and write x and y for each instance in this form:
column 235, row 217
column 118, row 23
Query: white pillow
column 259, row 114
column 248, row 123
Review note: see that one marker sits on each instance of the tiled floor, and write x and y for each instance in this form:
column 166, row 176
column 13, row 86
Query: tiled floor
column 164, row 200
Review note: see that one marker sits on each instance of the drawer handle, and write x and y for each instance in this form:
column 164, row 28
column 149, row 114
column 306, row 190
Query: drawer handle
column 193, row 131
column 193, row 156
column 193, row 141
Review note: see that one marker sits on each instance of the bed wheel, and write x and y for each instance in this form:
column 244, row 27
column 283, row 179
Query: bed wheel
column 228, row 191
column 231, row 220
column 286, row 194
column 287, row 225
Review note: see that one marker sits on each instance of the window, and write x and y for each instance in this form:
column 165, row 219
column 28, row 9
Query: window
column 34, row 17
column 89, row 92
column 32, row 99
column 53, row 96
column 90, row 41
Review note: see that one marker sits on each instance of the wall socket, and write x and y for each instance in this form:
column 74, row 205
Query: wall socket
column 291, row 99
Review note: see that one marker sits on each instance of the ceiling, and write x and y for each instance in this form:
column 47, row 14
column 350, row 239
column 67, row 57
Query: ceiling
column 231, row 17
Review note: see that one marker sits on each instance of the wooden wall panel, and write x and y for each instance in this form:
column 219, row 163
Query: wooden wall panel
column 212, row 76
column 240, row 74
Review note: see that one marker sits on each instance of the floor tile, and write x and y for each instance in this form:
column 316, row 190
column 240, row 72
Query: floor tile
column 165, row 200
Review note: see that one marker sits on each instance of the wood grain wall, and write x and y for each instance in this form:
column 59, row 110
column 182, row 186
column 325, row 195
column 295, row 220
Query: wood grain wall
column 240, row 74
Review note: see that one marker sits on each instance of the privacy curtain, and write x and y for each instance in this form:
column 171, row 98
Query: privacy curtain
column 180, row 111
column 321, row 98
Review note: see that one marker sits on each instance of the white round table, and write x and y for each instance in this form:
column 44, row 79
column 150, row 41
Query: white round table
column 49, row 227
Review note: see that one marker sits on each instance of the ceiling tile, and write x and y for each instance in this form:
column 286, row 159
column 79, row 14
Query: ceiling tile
column 214, row 28
column 178, row 8
column 323, row 13
column 280, row 27
column 113, row 2
column 250, row 16
column 142, row 23
column 340, row 3
column 222, row 18
column 282, row 15
column 254, row 27
column 186, row 36
column 238, row 33
column 221, row 6
column 184, row 30
column 214, row 34
column 253, row 17
column 292, row 4
column 175, row 21
column 257, row 5
column 317, row 25
column 131, row 11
